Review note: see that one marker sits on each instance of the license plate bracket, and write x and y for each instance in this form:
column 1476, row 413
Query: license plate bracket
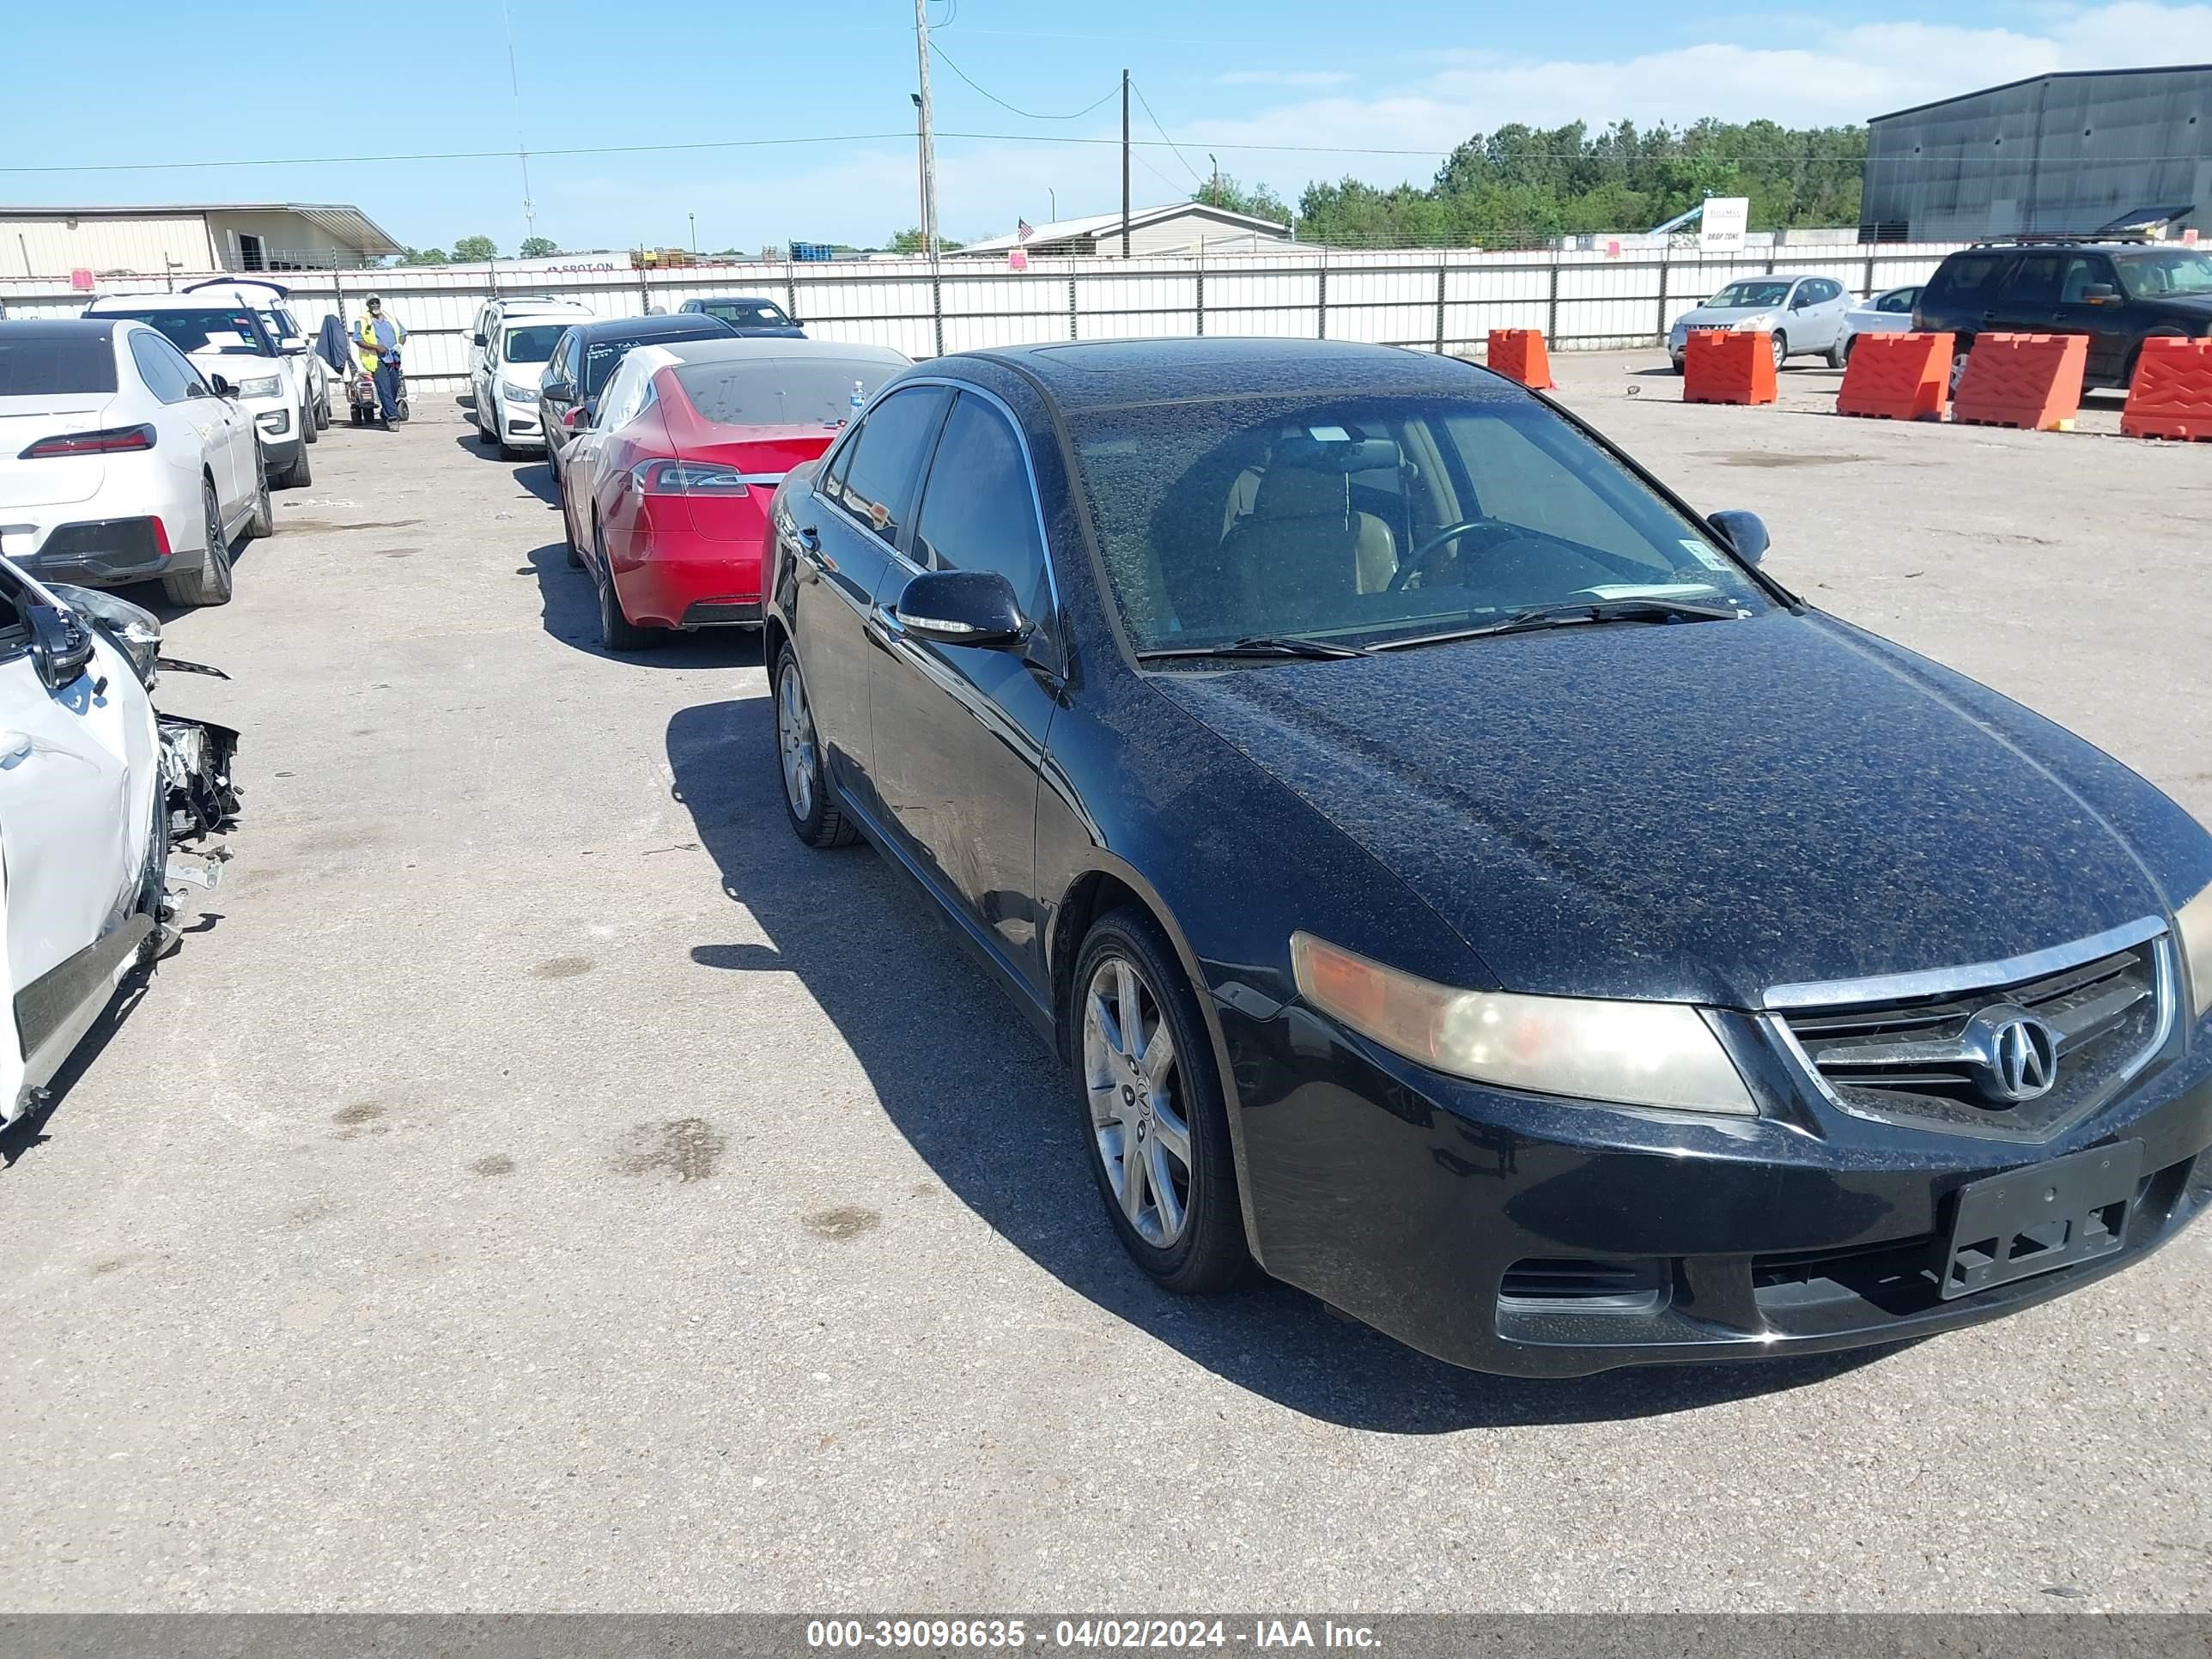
column 2041, row 1217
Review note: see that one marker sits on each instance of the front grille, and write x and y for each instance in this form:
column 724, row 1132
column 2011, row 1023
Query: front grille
column 1926, row 1059
column 1569, row 1285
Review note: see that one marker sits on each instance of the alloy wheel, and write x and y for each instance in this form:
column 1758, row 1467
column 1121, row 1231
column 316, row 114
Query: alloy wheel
column 794, row 736
column 1138, row 1116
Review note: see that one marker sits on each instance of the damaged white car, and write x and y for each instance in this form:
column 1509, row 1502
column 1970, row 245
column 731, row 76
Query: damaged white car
column 100, row 798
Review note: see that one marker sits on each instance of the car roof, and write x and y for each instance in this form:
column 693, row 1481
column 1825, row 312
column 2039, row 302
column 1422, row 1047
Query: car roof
column 61, row 328
column 2073, row 245
column 540, row 302
column 1104, row 373
column 169, row 302
column 681, row 324
column 754, row 349
column 731, row 299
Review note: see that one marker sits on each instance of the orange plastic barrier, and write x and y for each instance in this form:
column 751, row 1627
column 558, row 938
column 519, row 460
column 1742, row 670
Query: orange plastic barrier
column 1897, row 377
column 2170, row 396
column 1721, row 366
column 2031, row 381
column 1519, row 355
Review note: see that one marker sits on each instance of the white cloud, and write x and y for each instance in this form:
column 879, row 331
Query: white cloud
column 1282, row 78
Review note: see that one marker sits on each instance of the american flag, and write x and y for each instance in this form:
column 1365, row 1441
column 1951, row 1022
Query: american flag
column 1022, row 230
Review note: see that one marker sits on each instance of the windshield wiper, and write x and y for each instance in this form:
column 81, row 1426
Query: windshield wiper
column 1259, row 645
column 1566, row 616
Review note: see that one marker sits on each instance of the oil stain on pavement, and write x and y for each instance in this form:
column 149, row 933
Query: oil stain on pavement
column 686, row 1147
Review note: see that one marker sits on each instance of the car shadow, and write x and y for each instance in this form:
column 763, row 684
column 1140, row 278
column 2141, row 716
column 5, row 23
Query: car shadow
column 536, row 478
column 30, row 1129
column 991, row 1109
column 570, row 609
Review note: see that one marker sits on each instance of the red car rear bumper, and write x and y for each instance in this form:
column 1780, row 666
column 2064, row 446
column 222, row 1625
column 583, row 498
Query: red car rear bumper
column 676, row 578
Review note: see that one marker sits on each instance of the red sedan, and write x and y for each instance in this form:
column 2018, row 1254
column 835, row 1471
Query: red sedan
column 665, row 497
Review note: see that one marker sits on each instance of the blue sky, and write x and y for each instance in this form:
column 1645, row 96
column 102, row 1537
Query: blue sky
column 1412, row 75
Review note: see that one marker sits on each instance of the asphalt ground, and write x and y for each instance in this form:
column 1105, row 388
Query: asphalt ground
column 540, row 1183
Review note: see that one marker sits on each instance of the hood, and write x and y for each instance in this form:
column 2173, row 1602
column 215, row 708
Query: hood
column 238, row 368
column 1696, row 811
column 1734, row 317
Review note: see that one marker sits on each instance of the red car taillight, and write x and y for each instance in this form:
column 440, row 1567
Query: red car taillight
column 112, row 441
column 688, row 479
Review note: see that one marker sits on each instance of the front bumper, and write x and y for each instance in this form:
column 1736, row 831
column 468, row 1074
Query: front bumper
column 1516, row 1234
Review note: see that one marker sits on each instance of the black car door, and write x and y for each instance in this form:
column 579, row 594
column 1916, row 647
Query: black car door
column 845, row 527
column 960, row 731
column 2028, row 295
column 2089, row 303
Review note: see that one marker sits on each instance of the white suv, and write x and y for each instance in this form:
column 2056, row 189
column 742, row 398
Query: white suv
column 513, row 342
column 223, row 337
column 310, row 376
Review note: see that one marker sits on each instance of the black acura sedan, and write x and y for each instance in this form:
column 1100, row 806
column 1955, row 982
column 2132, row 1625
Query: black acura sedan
column 1463, row 885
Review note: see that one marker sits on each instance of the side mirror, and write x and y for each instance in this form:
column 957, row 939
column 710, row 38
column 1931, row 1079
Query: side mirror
column 477, row 339
column 1744, row 532
column 61, row 644
column 223, row 388
column 963, row 607
column 556, row 391
column 291, row 345
column 2100, row 294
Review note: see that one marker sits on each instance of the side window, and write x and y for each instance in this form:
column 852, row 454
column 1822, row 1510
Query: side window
column 2035, row 281
column 977, row 513
column 2083, row 271
column 167, row 374
column 1965, row 275
column 878, row 483
column 1897, row 300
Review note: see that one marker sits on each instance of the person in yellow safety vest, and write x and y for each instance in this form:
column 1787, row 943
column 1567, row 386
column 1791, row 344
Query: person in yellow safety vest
column 378, row 337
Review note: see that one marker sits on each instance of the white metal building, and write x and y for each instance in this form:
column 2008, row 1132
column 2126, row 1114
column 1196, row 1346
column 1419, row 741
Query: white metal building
column 153, row 241
column 1179, row 227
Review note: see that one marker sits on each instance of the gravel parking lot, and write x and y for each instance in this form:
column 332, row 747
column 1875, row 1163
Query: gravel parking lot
column 540, row 1183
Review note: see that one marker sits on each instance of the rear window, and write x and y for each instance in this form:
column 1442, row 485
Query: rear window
column 780, row 392
column 601, row 357
column 746, row 313
column 535, row 343
column 233, row 332
column 1964, row 273
column 41, row 366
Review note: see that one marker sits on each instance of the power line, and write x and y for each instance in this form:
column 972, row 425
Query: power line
column 1027, row 115
column 1197, row 177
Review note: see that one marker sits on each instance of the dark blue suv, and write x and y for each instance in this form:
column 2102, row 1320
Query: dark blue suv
column 2119, row 294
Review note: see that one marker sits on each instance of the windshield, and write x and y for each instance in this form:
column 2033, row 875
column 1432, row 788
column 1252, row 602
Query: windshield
column 602, row 356
column 36, row 365
column 2169, row 271
column 1358, row 520
column 535, row 343
column 233, row 331
column 1748, row 296
column 781, row 391
column 746, row 313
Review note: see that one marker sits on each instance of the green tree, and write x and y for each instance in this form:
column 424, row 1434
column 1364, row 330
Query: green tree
column 910, row 241
column 536, row 247
column 475, row 249
column 423, row 256
column 1260, row 202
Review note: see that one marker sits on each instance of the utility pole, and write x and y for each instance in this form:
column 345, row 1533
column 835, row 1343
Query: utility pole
column 693, row 218
column 1125, row 161
column 928, row 149
column 1216, row 160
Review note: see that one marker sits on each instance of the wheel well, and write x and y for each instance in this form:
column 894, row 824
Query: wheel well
column 1093, row 895
column 773, row 640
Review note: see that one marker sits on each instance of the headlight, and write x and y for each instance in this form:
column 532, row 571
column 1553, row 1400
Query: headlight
column 135, row 632
column 267, row 386
column 518, row 394
column 1637, row 1054
column 2193, row 921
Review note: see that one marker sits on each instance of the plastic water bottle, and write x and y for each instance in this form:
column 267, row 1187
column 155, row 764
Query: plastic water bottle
column 858, row 399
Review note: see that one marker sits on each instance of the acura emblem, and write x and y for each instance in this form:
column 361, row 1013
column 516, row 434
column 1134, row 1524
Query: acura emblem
column 2016, row 1052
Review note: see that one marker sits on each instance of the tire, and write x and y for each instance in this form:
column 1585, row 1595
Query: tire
column 300, row 474
column 264, row 521
column 807, row 802
column 323, row 412
column 309, row 431
column 1781, row 349
column 1840, row 353
column 507, row 452
column 1185, row 1228
column 353, row 414
column 1959, row 366
column 212, row 583
column 575, row 554
column 1677, row 366
column 616, row 631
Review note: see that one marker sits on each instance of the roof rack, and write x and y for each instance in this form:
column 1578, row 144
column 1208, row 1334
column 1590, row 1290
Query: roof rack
column 2064, row 239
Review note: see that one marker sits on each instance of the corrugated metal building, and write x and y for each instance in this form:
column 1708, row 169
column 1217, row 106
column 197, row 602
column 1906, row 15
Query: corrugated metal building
column 2067, row 152
column 152, row 241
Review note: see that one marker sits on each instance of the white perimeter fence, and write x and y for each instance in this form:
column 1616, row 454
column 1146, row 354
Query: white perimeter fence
column 1431, row 299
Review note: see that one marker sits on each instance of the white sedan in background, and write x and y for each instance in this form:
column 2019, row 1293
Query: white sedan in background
column 120, row 462
column 1889, row 312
